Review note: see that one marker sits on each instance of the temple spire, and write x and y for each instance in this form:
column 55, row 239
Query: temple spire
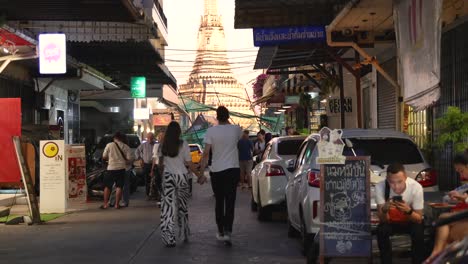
column 211, row 7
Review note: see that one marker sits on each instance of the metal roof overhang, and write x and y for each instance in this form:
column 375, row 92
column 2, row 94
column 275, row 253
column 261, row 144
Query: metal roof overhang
column 287, row 56
column 71, row 10
column 276, row 13
column 123, row 60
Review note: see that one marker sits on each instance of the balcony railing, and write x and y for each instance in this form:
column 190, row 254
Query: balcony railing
column 161, row 12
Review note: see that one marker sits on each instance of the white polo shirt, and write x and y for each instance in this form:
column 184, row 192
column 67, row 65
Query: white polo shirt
column 413, row 194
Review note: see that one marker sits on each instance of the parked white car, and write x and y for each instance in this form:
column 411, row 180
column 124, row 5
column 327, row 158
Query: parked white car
column 270, row 175
column 384, row 147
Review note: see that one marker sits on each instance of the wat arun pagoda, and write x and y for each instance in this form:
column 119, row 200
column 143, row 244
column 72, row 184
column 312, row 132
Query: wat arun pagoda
column 211, row 81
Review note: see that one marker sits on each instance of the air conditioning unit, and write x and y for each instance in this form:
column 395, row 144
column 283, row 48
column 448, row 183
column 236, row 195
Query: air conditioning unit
column 365, row 37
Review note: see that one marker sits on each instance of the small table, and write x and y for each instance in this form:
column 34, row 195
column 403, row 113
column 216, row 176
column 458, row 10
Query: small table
column 434, row 210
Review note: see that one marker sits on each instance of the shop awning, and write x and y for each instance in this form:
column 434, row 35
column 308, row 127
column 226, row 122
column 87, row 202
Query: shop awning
column 71, row 10
column 123, row 60
column 282, row 57
column 274, row 13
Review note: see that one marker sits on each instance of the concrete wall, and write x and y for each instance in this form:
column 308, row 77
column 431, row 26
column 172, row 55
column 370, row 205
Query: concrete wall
column 334, row 119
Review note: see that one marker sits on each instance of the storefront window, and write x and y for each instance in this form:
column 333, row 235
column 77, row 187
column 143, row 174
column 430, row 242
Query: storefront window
column 415, row 125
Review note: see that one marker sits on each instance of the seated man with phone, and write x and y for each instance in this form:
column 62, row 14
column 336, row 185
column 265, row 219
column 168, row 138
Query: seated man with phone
column 400, row 204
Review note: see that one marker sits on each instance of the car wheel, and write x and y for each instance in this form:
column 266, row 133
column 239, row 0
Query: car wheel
column 263, row 213
column 306, row 240
column 253, row 204
column 312, row 252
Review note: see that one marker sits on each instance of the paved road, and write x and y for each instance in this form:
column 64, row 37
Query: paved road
column 131, row 235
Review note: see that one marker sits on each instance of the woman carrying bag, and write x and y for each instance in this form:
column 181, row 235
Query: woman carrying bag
column 174, row 156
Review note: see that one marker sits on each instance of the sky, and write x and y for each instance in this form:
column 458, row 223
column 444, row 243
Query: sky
column 183, row 22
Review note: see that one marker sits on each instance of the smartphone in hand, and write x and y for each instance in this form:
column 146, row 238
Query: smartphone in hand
column 397, row 199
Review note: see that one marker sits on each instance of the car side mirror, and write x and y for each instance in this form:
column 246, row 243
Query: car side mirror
column 291, row 165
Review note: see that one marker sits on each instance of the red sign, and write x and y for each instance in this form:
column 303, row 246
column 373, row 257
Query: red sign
column 161, row 120
column 6, row 36
column 10, row 125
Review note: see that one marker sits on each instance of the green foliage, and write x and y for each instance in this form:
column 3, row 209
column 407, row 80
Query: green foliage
column 453, row 126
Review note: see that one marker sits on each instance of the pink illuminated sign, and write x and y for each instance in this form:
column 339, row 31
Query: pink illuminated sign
column 52, row 54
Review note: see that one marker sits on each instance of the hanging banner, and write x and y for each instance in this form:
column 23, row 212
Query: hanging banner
column 418, row 30
column 76, row 173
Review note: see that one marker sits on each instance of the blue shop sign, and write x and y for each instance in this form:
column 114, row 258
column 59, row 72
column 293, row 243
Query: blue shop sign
column 288, row 35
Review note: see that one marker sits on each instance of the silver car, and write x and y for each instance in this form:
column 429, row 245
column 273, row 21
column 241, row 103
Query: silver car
column 270, row 175
column 384, row 147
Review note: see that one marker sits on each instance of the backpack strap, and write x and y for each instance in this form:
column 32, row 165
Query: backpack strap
column 387, row 190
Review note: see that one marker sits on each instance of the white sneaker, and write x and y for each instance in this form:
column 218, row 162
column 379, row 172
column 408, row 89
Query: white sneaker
column 227, row 239
column 220, row 237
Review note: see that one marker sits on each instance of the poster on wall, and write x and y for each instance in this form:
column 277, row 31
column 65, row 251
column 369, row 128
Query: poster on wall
column 76, row 173
column 10, row 125
column 53, row 185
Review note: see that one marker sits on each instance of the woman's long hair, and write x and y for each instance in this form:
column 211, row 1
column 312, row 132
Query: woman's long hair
column 171, row 143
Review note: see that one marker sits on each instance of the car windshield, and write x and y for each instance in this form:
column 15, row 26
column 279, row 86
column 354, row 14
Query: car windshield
column 194, row 148
column 289, row 147
column 384, row 151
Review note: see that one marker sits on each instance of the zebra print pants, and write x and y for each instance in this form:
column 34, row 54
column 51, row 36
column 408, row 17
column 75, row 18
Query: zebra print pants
column 174, row 204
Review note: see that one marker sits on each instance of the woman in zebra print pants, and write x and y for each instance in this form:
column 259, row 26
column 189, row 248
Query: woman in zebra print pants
column 174, row 155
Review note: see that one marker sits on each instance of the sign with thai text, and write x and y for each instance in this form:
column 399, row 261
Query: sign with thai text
column 345, row 209
column 138, row 87
column 52, row 54
column 285, row 35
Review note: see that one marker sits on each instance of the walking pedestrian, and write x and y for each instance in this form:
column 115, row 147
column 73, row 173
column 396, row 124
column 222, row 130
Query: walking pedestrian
column 174, row 158
column 127, row 184
column 245, row 147
column 259, row 145
column 156, row 183
column 119, row 156
column 144, row 153
column 222, row 139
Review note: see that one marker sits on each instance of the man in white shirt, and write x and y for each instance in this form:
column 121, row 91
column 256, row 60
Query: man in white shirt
column 400, row 204
column 222, row 141
column 119, row 156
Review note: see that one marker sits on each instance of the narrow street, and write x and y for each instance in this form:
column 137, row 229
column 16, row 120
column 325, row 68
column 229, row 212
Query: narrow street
column 131, row 235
